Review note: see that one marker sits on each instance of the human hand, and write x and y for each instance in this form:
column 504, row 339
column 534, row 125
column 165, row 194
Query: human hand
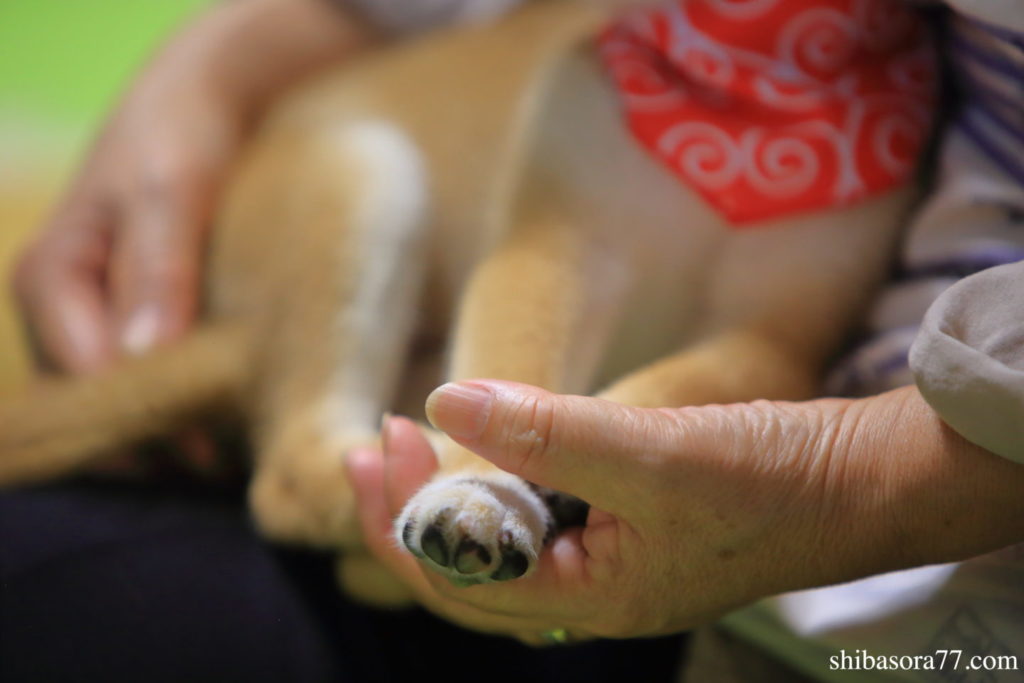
column 117, row 266
column 695, row 510
column 700, row 516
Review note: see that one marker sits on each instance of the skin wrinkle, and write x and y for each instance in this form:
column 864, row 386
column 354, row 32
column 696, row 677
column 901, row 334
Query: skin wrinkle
column 890, row 486
column 539, row 427
column 581, row 611
column 905, row 483
column 819, row 469
column 648, row 429
column 604, row 539
column 711, row 419
column 653, row 463
column 765, row 423
column 656, row 464
column 899, row 485
column 830, row 484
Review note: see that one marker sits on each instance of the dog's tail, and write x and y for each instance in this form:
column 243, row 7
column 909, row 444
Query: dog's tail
column 57, row 425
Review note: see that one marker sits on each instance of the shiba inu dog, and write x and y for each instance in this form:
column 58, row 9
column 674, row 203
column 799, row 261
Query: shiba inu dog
column 468, row 205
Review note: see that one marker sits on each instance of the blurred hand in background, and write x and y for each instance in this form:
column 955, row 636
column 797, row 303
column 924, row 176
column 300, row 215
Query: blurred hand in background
column 117, row 267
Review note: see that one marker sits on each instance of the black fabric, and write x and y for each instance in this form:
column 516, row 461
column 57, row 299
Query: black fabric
column 123, row 583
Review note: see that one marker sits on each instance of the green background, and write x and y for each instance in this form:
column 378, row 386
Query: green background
column 62, row 62
column 62, row 65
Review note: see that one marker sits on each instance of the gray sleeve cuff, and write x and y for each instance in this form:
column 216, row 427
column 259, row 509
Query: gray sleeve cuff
column 411, row 16
column 968, row 359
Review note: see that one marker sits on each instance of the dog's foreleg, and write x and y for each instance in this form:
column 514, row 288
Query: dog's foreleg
column 335, row 358
column 540, row 309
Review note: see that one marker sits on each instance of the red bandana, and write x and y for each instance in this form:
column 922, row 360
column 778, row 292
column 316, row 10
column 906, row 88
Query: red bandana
column 768, row 107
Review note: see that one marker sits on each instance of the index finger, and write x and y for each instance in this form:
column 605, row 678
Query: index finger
column 409, row 461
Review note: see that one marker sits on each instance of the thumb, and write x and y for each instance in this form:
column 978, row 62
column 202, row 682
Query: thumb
column 574, row 444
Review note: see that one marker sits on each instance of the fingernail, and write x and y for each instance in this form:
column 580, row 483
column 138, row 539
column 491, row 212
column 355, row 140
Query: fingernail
column 460, row 408
column 140, row 334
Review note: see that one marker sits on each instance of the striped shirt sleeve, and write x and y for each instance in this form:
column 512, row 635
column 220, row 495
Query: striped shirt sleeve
column 975, row 218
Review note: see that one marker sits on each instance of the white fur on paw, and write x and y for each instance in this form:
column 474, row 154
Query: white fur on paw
column 476, row 529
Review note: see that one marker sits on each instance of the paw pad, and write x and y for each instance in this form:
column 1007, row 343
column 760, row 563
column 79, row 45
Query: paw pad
column 476, row 530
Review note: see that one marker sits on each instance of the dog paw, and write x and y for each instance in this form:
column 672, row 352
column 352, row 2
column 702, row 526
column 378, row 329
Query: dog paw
column 306, row 497
column 476, row 528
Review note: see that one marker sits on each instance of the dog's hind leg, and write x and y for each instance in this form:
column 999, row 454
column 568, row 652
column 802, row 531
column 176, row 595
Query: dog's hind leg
column 781, row 300
column 56, row 426
column 336, row 353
